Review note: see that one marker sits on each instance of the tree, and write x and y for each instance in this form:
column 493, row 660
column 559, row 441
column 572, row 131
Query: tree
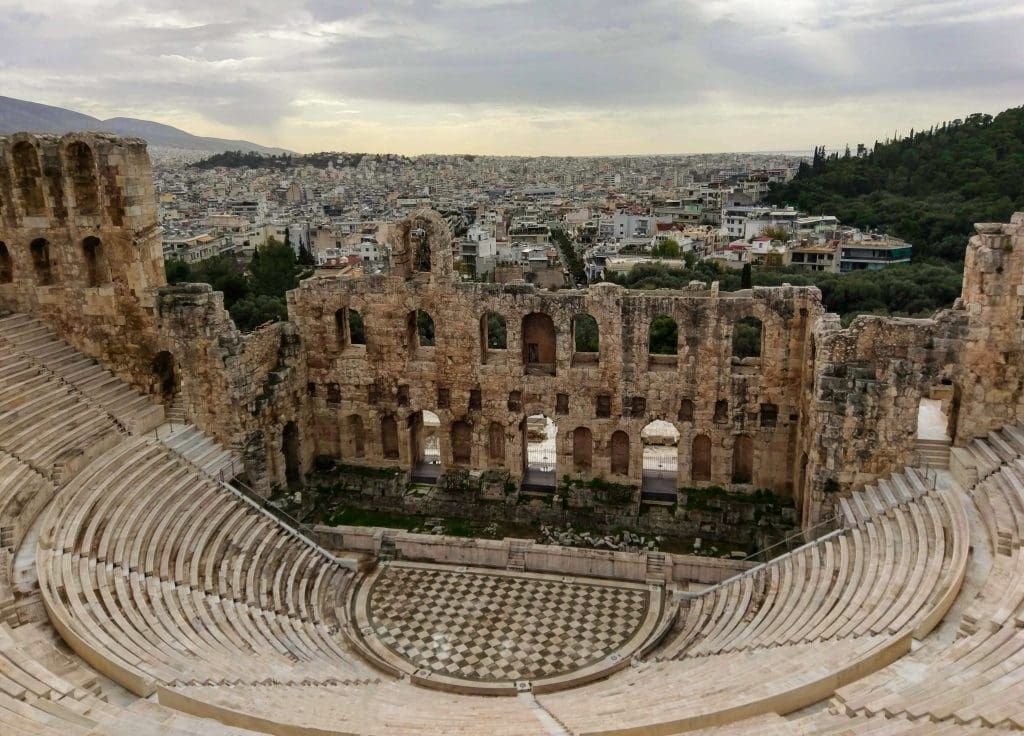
column 177, row 272
column 777, row 232
column 274, row 270
column 666, row 249
column 746, row 278
column 306, row 257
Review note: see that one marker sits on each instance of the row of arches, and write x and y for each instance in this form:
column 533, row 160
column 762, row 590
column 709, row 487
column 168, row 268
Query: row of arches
column 659, row 454
column 91, row 252
column 79, row 169
column 539, row 337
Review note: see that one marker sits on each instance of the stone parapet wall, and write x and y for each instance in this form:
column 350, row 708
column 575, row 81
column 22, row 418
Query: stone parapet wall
column 541, row 558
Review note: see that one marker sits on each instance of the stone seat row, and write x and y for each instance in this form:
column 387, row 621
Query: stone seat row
column 202, row 450
column 670, row 696
column 44, row 692
column 33, row 339
column 890, row 573
column 824, row 723
column 144, row 510
column 884, row 494
column 46, row 424
column 147, row 563
column 395, row 708
column 983, row 456
column 24, row 492
column 979, row 677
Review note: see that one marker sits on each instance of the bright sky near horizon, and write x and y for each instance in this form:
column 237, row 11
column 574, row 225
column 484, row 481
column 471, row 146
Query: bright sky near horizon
column 520, row 76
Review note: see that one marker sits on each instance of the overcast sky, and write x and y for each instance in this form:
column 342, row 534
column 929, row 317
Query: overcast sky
column 520, row 76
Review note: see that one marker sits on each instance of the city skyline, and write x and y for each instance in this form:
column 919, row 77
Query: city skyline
column 521, row 78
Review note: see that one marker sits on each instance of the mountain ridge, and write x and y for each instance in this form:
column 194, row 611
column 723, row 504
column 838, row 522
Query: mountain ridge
column 23, row 115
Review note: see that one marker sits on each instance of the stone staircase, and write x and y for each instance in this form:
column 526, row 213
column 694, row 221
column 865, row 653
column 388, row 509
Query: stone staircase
column 516, row 557
column 655, row 568
column 933, row 453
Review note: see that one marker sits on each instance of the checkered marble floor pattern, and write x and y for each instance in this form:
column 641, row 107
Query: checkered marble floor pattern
column 494, row 628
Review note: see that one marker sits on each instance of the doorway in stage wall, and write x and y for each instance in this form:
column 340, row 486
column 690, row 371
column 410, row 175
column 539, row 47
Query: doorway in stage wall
column 425, row 446
column 661, row 462
column 540, row 436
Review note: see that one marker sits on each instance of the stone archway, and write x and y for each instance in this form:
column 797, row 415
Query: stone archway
column 165, row 379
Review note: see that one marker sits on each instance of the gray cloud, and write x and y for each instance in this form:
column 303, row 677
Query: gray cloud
column 246, row 65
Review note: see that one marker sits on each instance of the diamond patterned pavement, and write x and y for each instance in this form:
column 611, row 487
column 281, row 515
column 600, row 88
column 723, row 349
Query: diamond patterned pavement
column 493, row 628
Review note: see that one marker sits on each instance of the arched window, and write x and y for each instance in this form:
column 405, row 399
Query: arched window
column 700, row 461
column 356, row 328
column 354, row 440
column 389, row 437
column 662, row 342
column 420, row 329
column 539, row 344
column 6, row 265
column 586, row 335
column 746, row 338
column 164, row 375
column 82, row 169
column 462, row 443
column 420, row 246
column 493, row 333
column 290, row 449
column 743, row 459
column 582, row 449
column 341, row 328
column 496, row 443
column 41, row 261
column 28, row 176
column 686, row 410
column 95, row 262
column 620, row 453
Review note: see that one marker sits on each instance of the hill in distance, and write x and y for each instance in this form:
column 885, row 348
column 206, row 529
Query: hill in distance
column 22, row 115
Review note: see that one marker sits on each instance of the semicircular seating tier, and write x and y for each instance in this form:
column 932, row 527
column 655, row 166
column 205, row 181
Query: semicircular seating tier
column 167, row 582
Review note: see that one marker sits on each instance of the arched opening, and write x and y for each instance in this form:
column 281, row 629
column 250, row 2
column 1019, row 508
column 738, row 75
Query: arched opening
column 660, row 440
column 389, row 437
column 662, row 343
column 341, row 328
column 165, row 379
column 6, row 265
column 747, row 335
column 493, row 334
column 540, row 437
column 496, row 443
column 356, row 328
column 619, row 451
column 936, row 425
column 582, row 450
column 425, row 446
column 743, row 459
column 355, row 441
column 462, row 442
column 700, row 459
column 290, row 449
column 538, row 344
column 420, row 330
column 28, row 177
column 586, row 339
column 83, row 178
column 40, row 250
column 95, row 263
column 420, row 246
column 686, row 410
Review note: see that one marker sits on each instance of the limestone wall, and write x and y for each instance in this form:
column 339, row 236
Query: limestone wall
column 80, row 243
column 820, row 410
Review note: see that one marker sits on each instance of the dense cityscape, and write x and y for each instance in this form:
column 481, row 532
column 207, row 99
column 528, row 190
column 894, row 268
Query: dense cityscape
column 550, row 221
